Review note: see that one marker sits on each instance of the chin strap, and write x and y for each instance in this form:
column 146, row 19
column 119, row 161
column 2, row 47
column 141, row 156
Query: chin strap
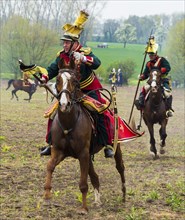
column 70, row 49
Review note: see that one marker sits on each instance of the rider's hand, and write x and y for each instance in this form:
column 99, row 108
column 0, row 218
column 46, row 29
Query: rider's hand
column 141, row 77
column 163, row 70
column 44, row 79
column 79, row 57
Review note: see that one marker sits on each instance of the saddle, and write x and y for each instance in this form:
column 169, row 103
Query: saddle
column 25, row 83
column 89, row 103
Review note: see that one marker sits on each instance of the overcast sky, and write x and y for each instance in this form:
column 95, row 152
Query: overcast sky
column 123, row 8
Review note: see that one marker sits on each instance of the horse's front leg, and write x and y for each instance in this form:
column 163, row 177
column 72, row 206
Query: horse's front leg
column 30, row 96
column 14, row 94
column 84, row 168
column 95, row 182
column 56, row 158
column 153, row 149
column 163, row 135
column 120, row 168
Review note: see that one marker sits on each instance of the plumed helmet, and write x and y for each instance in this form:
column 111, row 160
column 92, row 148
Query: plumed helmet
column 72, row 31
column 152, row 46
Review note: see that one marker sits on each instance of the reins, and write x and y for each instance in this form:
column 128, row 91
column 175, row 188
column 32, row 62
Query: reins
column 67, row 131
column 158, row 86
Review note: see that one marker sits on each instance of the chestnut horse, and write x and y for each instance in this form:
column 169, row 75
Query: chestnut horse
column 19, row 84
column 71, row 134
column 155, row 111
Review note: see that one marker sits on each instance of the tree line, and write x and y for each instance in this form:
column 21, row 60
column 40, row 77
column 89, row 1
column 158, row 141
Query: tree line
column 31, row 29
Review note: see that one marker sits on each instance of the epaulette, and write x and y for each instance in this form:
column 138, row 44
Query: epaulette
column 86, row 50
column 59, row 52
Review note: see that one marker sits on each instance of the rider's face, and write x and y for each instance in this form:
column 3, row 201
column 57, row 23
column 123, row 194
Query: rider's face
column 67, row 45
column 152, row 56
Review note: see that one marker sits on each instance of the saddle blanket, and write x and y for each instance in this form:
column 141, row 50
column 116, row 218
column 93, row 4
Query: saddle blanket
column 125, row 132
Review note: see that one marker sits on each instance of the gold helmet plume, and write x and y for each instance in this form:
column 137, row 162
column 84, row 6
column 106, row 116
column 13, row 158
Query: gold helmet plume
column 73, row 31
column 152, row 46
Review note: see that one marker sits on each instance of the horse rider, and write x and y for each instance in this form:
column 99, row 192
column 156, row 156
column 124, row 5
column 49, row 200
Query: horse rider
column 28, row 81
column 86, row 63
column 163, row 65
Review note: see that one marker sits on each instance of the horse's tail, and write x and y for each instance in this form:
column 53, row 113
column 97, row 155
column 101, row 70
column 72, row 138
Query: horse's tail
column 9, row 83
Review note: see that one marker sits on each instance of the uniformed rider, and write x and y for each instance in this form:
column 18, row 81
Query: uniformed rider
column 164, row 66
column 87, row 62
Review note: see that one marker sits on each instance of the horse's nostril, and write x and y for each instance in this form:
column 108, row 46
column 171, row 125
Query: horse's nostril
column 69, row 103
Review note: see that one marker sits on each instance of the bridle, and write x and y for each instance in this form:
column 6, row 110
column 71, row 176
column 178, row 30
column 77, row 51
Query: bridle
column 71, row 102
column 154, row 81
column 73, row 99
column 155, row 85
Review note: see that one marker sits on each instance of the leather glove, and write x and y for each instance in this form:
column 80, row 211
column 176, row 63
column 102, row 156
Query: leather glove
column 141, row 77
column 44, row 78
column 79, row 57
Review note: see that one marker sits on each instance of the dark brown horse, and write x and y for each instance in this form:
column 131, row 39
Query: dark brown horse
column 155, row 112
column 71, row 137
column 19, row 84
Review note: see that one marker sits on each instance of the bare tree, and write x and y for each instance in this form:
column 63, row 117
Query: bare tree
column 30, row 42
column 52, row 14
column 110, row 27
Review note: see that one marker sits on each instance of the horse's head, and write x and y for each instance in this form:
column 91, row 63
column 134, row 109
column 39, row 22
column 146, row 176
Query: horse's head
column 67, row 86
column 154, row 80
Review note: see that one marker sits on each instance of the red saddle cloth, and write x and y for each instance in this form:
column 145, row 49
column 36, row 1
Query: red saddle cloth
column 125, row 132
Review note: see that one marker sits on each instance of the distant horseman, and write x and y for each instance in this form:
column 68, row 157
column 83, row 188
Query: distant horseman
column 164, row 66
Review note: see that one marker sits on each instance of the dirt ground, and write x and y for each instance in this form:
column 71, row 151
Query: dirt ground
column 155, row 188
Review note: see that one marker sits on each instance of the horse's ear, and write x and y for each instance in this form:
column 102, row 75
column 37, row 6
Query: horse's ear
column 61, row 64
column 72, row 64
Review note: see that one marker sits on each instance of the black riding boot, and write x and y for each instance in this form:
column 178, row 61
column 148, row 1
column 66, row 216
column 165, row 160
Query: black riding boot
column 45, row 151
column 169, row 110
column 139, row 103
column 109, row 153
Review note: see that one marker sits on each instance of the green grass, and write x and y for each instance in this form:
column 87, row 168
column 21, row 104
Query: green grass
column 109, row 56
column 116, row 52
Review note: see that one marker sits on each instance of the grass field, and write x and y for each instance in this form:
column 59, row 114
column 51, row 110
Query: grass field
column 155, row 188
column 108, row 56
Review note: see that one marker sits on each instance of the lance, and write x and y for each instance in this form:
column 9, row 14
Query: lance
column 113, row 90
column 31, row 67
column 145, row 53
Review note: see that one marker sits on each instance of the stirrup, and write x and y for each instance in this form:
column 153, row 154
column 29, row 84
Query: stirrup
column 169, row 113
column 45, row 151
column 109, row 151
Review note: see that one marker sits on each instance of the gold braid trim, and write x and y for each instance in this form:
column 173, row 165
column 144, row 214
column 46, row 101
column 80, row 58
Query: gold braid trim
column 88, row 81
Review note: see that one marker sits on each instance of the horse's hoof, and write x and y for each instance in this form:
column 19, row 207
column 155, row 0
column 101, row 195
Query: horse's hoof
column 97, row 203
column 124, row 199
column 82, row 211
column 47, row 195
column 154, row 156
column 162, row 151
